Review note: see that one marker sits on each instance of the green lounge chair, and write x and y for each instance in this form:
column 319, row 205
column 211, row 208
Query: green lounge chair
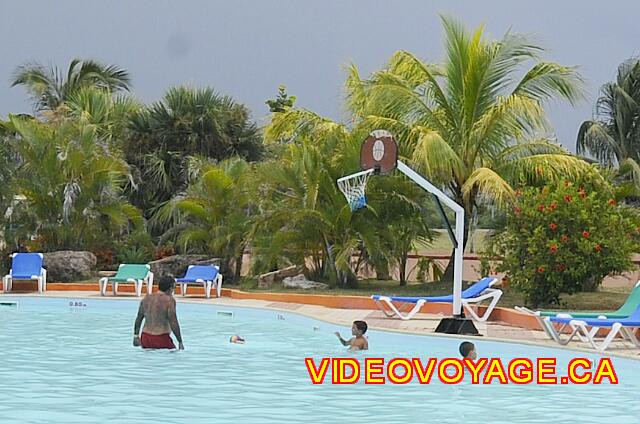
column 626, row 310
column 129, row 273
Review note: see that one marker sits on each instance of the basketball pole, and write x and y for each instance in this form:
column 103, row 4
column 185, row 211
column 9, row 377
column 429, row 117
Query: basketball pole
column 459, row 211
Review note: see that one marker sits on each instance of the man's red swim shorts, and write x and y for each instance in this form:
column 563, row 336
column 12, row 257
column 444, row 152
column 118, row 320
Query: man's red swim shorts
column 159, row 341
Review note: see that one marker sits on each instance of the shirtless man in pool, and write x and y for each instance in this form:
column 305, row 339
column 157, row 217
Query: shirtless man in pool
column 158, row 310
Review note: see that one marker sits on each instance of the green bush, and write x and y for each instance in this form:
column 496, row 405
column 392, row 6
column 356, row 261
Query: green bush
column 137, row 248
column 565, row 239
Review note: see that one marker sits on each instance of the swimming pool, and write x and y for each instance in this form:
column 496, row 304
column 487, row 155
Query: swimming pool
column 75, row 364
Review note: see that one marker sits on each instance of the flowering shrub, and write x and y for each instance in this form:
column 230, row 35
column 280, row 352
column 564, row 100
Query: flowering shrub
column 565, row 239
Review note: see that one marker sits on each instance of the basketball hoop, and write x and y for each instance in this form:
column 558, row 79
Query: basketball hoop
column 378, row 156
column 353, row 187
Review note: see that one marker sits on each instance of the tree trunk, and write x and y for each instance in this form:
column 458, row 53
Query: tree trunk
column 403, row 269
column 238, row 269
column 382, row 271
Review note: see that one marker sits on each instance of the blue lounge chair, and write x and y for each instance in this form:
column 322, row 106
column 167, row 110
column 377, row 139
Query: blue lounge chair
column 629, row 306
column 587, row 328
column 26, row 266
column 479, row 291
column 207, row 275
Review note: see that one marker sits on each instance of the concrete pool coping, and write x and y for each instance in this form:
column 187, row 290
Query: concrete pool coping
column 422, row 324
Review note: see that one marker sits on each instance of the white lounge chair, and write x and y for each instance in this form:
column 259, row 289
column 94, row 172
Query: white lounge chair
column 587, row 328
column 629, row 306
column 478, row 292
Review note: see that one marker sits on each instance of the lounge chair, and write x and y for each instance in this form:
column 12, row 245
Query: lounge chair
column 129, row 273
column 587, row 328
column 629, row 306
column 207, row 275
column 475, row 294
column 26, row 266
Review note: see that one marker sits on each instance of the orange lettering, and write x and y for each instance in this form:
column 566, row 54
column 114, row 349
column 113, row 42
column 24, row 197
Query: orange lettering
column 339, row 370
column 521, row 371
column 317, row 375
column 547, row 366
column 373, row 366
column 605, row 369
column 424, row 374
column 475, row 368
column 495, row 370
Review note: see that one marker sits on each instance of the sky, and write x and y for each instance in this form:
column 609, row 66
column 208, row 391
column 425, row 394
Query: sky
column 247, row 48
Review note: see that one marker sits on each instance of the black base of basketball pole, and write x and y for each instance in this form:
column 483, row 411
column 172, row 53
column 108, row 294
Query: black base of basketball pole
column 457, row 325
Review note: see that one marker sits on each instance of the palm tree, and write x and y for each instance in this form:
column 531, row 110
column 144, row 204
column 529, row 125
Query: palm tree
column 186, row 122
column 70, row 186
column 50, row 87
column 213, row 214
column 474, row 124
column 109, row 113
column 613, row 135
column 304, row 218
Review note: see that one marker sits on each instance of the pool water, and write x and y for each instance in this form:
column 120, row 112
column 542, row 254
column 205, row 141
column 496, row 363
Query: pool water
column 76, row 364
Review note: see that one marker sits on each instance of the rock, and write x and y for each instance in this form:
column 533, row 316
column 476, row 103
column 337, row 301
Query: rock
column 265, row 281
column 301, row 282
column 70, row 265
column 177, row 265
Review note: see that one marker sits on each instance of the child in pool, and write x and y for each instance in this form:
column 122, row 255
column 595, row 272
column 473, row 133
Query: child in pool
column 468, row 350
column 358, row 342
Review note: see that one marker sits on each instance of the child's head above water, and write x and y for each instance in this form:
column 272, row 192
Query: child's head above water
column 467, row 350
column 359, row 328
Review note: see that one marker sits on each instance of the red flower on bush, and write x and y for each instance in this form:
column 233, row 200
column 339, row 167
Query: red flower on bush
column 612, row 202
column 597, row 248
column 553, row 226
column 568, row 198
column 564, row 238
column 541, row 208
column 553, row 248
column 517, row 210
column 540, row 270
column 561, row 267
column 553, row 206
column 585, row 234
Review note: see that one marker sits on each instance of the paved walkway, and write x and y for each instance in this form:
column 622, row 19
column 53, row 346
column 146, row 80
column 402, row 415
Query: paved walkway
column 423, row 324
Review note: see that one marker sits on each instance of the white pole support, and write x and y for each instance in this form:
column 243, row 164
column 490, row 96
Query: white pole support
column 459, row 211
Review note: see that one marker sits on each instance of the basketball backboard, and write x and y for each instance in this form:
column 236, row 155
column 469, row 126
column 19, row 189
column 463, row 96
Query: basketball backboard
column 379, row 151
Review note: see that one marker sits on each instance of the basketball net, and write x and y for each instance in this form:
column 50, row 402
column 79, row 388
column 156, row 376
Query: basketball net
column 353, row 187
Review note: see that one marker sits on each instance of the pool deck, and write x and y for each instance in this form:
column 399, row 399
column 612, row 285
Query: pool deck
column 422, row 323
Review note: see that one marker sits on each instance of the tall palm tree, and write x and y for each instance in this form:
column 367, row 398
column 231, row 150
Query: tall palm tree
column 305, row 219
column 613, row 135
column 50, row 86
column 109, row 113
column 474, row 124
column 213, row 214
column 70, row 186
column 186, row 122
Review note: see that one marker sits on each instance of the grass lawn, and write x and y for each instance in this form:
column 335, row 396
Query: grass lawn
column 442, row 243
column 597, row 301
